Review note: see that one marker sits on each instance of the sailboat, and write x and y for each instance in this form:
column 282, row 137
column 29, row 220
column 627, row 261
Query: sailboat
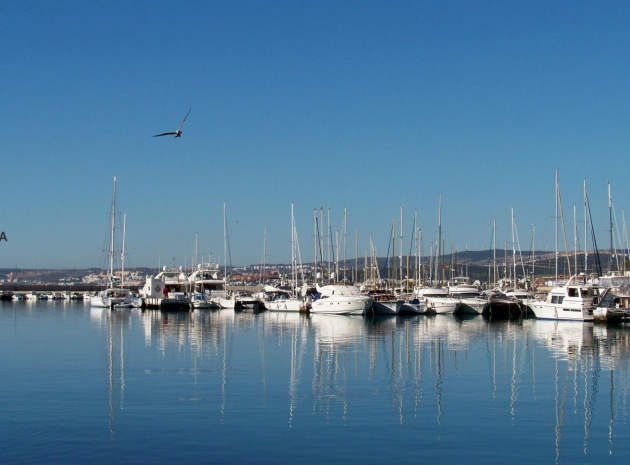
column 114, row 293
column 436, row 298
column 283, row 301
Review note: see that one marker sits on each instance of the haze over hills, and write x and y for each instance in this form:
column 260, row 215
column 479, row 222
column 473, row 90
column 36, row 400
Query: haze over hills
column 475, row 264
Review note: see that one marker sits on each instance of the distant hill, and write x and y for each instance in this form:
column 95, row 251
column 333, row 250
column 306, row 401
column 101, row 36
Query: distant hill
column 472, row 263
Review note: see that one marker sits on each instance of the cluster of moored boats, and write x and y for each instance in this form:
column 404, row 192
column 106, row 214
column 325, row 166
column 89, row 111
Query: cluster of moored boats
column 580, row 298
column 65, row 295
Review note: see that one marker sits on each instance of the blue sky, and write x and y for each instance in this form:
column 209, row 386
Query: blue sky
column 358, row 105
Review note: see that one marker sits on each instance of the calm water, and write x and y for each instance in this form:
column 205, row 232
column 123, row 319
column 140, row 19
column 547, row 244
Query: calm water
column 80, row 385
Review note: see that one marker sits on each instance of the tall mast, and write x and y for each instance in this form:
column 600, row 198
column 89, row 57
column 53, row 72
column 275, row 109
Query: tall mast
column 612, row 245
column 494, row 250
column 564, row 231
column 293, row 265
column 513, row 249
column 355, row 278
column 393, row 267
column 224, row 243
column 122, row 254
column 401, row 245
column 196, row 255
column 625, row 239
column 264, row 258
column 534, row 252
column 345, row 235
column 420, row 267
column 575, row 239
column 557, row 193
column 416, row 274
column 438, row 243
column 110, row 271
column 585, row 231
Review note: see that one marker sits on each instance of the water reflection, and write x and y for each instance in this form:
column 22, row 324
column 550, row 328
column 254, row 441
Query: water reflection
column 590, row 362
column 421, row 370
column 113, row 325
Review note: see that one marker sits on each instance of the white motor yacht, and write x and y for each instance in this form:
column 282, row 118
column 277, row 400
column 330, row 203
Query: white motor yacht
column 436, row 300
column 471, row 300
column 340, row 299
column 574, row 301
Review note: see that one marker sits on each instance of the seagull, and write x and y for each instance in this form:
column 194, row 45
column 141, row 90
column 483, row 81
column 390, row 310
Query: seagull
column 177, row 133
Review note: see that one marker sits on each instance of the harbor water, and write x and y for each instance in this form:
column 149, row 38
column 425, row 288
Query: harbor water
column 81, row 385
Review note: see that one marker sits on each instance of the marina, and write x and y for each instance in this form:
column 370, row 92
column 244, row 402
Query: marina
column 224, row 385
column 400, row 278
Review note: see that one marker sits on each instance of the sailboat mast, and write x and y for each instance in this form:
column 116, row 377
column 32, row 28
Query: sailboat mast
column 416, row 273
column 264, row 258
column 533, row 252
column 110, row 271
column 610, row 216
column 393, row 267
column 293, row 271
column 575, row 239
column 345, row 235
column 494, row 250
column 513, row 249
column 421, row 270
column 224, row 243
column 438, row 243
column 625, row 239
column 122, row 254
column 557, row 194
column 585, row 231
column 356, row 257
column 401, row 247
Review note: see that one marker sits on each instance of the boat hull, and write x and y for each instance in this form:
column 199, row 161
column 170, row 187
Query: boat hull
column 472, row 306
column 386, row 307
column 356, row 306
column 442, row 305
column 547, row 311
column 286, row 305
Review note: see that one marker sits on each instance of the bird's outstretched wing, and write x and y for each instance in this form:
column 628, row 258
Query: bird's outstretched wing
column 166, row 134
column 184, row 120
column 177, row 133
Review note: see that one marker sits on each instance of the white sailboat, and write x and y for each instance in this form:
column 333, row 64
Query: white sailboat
column 228, row 299
column 285, row 301
column 114, row 293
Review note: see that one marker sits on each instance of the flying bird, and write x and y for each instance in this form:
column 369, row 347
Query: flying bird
column 177, row 133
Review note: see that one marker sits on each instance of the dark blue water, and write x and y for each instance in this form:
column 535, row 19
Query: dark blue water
column 79, row 385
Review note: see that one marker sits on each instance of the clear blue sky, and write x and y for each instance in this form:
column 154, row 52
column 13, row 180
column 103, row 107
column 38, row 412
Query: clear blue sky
column 367, row 106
